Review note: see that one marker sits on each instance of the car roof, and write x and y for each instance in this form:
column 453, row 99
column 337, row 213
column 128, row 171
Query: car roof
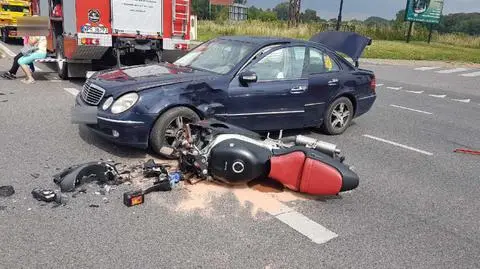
column 267, row 40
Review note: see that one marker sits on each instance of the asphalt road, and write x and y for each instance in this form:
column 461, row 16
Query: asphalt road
column 417, row 205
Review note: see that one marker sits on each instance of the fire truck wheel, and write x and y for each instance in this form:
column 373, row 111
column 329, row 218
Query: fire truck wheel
column 61, row 61
column 4, row 35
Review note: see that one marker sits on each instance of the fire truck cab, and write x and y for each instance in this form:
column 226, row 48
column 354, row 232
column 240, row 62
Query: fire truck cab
column 90, row 35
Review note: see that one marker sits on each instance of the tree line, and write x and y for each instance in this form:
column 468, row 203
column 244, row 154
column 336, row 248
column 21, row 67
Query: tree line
column 467, row 23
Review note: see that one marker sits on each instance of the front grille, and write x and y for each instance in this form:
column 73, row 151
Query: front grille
column 92, row 94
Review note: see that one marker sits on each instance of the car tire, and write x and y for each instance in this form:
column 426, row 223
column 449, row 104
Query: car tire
column 166, row 131
column 338, row 116
column 4, row 35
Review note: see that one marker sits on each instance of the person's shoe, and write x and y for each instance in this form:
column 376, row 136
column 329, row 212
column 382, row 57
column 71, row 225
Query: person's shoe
column 8, row 75
column 28, row 81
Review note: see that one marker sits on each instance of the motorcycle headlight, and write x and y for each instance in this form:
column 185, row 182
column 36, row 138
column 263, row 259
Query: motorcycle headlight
column 124, row 103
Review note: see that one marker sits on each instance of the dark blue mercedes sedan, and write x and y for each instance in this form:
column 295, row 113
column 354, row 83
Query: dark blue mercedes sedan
column 259, row 83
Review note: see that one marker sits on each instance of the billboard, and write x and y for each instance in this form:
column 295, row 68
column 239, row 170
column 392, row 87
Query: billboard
column 428, row 11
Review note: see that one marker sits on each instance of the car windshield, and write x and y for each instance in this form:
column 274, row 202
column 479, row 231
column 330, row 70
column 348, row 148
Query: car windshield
column 218, row 56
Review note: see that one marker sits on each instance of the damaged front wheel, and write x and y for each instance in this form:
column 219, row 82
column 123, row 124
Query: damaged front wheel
column 168, row 131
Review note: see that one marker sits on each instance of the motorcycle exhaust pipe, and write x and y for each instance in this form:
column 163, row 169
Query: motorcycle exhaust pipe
column 324, row 147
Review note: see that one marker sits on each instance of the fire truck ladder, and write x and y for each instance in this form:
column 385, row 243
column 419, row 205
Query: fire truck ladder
column 181, row 9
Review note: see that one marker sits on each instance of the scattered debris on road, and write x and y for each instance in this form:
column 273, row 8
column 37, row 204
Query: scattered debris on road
column 6, row 191
column 35, row 175
column 77, row 175
column 467, row 151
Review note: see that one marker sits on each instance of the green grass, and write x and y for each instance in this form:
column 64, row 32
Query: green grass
column 451, row 47
column 421, row 51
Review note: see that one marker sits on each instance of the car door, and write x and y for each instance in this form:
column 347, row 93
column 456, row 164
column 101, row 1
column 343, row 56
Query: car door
column 276, row 99
column 324, row 78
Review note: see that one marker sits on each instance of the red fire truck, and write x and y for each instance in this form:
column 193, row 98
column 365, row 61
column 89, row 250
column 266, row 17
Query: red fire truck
column 90, row 35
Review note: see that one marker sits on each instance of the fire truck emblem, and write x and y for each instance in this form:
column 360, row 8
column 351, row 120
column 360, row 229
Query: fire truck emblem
column 94, row 15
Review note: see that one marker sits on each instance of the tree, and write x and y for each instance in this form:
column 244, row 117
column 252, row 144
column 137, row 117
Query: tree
column 376, row 21
column 282, row 11
column 200, row 8
column 309, row 15
column 400, row 17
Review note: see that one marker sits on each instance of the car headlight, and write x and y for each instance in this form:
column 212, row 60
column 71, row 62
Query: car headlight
column 124, row 103
column 107, row 103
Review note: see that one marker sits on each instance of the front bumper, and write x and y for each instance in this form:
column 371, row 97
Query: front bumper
column 130, row 130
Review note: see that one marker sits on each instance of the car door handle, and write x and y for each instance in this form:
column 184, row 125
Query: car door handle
column 298, row 89
column 333, row 82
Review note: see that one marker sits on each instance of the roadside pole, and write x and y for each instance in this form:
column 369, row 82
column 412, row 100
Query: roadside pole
column 339, row 20
column 409, row 35
column 430, row 33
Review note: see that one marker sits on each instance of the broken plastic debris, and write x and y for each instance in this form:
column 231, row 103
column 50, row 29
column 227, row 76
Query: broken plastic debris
column 35, row 175
column 152, row 169
column 76, row 175
column 92, row 205
column 6, row 191
column 44, row 195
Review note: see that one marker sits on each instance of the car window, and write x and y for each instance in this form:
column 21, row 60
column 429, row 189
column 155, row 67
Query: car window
column 280, row 64
column 218, row 56
column 321, row 62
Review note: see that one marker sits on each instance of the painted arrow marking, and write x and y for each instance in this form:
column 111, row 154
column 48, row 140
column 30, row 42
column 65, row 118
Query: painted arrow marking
column 438, row 96
column 463, row 101
column 419, row 92
column 395, row 88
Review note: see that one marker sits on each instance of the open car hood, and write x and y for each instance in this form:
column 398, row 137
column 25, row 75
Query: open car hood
column 352, row 44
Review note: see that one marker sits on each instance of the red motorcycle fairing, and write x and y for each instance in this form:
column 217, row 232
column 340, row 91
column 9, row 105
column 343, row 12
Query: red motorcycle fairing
column 308, row 171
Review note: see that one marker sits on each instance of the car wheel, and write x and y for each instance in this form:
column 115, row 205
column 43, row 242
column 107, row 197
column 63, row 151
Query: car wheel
column 168, row 131
column 338, row 116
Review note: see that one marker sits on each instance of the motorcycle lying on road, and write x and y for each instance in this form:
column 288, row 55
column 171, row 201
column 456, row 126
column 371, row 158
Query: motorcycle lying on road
column 215, row 150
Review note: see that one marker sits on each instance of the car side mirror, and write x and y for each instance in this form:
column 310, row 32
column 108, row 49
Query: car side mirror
column 248, row 77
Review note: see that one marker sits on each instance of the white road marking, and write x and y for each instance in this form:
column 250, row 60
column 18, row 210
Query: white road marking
column 462, row 100
column 380, row 85
column 399, row 145
column 450, row 71
column 7, row 50
column 416, row 92
column 426, row 68
column 474, row 74
column 72, row 91
column 438, row 96
column 302, row 224
column 395, row 88
column 411, row 109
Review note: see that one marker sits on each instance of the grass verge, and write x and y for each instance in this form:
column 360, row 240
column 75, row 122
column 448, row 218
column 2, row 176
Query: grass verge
column 399, row 50
column 453, row 48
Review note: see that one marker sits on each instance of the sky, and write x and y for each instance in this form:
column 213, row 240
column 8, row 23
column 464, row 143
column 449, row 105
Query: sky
column 362, row 9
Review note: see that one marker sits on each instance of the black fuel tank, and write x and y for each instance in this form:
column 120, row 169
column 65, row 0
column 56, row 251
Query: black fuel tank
column 235, row 161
